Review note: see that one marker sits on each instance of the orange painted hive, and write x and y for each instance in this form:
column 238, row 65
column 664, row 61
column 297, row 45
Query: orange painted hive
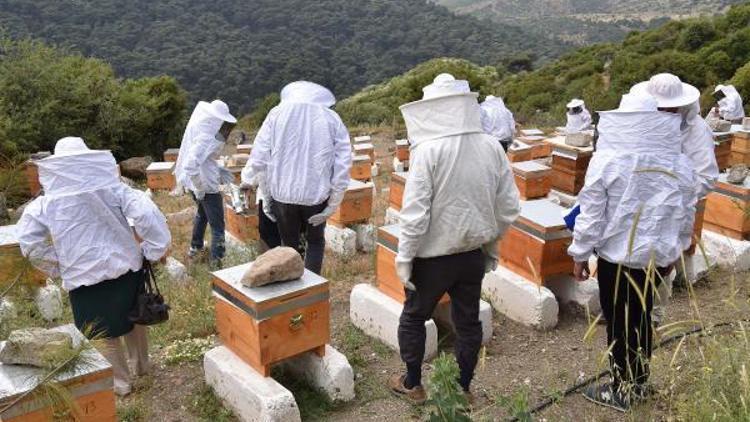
column 532, row 179
column 402, row 150
column 385, row 264
column 244, row 148
column 89, row 384
column 396, row 192
column 12, row 262
column 361, row 168
column 536, row 245
column 518, row 151
column 539, row 148
column 243, row 227
column 723, row 150
column 740, row 146
column 171, row 154
column 569, row 165
column 265, row 325
column 365, row 149
column 159, row 176
column 356, row 206
column 727, row 209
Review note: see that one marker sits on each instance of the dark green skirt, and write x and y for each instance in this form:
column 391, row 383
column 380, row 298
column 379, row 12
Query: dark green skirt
column 102, row 310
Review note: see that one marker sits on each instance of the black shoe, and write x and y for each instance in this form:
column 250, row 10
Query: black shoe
column 605, row 395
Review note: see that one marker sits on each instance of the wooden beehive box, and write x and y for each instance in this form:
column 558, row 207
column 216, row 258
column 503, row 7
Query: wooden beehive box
column 31, row 171
column 700, row 214
column 531, row 132
column 569, row 165
column 356, row 206
column 13, row 263
column 171, row 155
column 402, row 150
column 362, row 139
column 365, row 149
column 244, row 227
column 361, row 168
column 244, row 148
column 740, row 147
column 723, row 150
column 385, row 265
column 532, row 179
column 265, row 325
column 536, row 245
column 159, row 176
column 539, row 148
column 396, row 191
column 518, row 152
column 238, row 160
column 90, row 386
column 727, row 209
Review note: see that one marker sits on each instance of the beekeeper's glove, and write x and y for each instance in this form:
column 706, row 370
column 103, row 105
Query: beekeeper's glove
column 333, row 203
column 404, row 268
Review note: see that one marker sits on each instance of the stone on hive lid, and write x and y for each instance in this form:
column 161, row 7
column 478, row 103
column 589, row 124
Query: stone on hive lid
column 720, row 125
column 532, row 132
column 278, row 264
column 746, row 124
column 36, row 347
column 737, row 174
column 579, row 139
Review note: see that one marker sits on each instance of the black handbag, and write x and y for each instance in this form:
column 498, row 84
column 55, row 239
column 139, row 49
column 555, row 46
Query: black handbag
column 150, row 308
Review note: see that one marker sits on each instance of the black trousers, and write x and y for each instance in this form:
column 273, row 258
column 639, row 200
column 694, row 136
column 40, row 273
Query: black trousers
column 460, row 276
column 629, row 330
column 291, row 221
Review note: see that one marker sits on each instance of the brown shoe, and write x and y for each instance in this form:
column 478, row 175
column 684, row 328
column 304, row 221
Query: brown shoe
column 415, row 395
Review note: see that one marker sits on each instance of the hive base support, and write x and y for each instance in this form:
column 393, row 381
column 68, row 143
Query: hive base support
column 366, row 237
column 520, row 300
column 325, row 368
column 579, row 296
column 377, row 314
column 696, row 268
column 392, row 216
column 341, row 240
column 442, row 316
column 726, row 252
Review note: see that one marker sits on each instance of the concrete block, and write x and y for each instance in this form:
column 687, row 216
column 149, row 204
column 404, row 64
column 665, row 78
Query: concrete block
column 377, row 315
column 232, row 242
column 366, row 237
column 176, row 270
column 375, row 169
column 696, row 267
column 332, row 373
column 149, row 193
column 250, row 396
column 580, row 295
column 442, row 315
column 726, row 252
column 399, row 165
column 48, row 300
column 343, row 241
column 7, row 310
column 561, row 198
column 392, row 216
column 520, row 299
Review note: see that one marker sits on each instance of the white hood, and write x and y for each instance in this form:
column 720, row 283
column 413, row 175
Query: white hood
column 644, row 132
column 307, row 93
column 731, row 107
column 497, row 120
column 74, row 174
column 578, row 122
column 442, row 117
column 202, row 124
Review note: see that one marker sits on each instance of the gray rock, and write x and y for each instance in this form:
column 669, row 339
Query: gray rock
column 737, row 174
column 135, row 168
column 746, row 124
column 36, row 347
column 278, row 264
column 579, row 139
column 176, row 270
column 48, row 300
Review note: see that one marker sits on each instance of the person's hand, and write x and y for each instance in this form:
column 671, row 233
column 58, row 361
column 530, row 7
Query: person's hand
column 244, row 186
column 199, row 195
column 403, row 271
column 226, row 177
column 490, row 263
column 321, row 218
column 267, row 202
column 581, row 271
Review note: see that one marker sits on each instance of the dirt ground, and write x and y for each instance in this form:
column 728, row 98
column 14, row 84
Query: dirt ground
column 519, row 363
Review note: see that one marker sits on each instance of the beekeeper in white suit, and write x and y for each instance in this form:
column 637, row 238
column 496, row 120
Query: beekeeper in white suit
column 459, row 199
column 301, row 158
column 579, row 118
column 498, row 121
column 79, row 231
column 728, row 104
column 697, row 143
column 198, row 172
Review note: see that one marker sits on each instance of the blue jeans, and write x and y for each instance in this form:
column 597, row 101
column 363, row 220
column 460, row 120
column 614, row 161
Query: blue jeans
column 210, row 212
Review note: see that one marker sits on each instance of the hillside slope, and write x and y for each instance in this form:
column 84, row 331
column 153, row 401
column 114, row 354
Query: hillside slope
column 242, row 50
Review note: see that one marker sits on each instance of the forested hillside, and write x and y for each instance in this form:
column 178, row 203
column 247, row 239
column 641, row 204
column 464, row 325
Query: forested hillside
column 243, row 50
column 701, row 51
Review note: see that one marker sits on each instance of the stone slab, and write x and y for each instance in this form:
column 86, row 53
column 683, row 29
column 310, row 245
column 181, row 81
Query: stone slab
column 250, row 396
column 521, row 300
column 342, row 241
column 726, row 252
column 377, row 315
column 48, row 300
column 392, row 216
column 400, row 166
column 442, row 315
column 366, row 237
column 696, row 267
column 331, row 373
column 581, row 296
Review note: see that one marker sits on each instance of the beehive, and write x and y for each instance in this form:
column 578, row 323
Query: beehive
column 159, row 176
column 244, row 148
column 238, row 160
column 569, row 165
column 518, row 151
column 535, row 246
column 243, row 227
column 539, row 148
column 396, row 191
column 365, row 149
column 531, row 132
column 727, row 209
column 90, row 386
column 532, row 179
column 265, row 325
column 362, row 139
column 723, row 150
column 361, row 168
column 12, row 262
column 402, row 150
column 356, row 206
column 740, row 146
column 171, row 155
column 385, row 265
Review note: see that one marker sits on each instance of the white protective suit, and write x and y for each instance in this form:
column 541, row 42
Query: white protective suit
column 638, row 173
column 730, row 107
column 196, row 168
column 578, row 122
column 697, row 140
column 302, row 154
column 79, row 229
column 460, row 194
column 497, row 120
